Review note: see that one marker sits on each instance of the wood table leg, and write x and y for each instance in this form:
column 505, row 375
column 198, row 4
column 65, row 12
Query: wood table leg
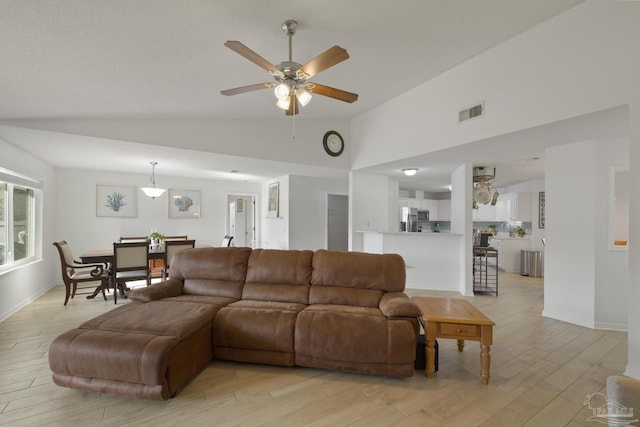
column 430, row 350
column 486, row 339
column 485, row 362
column 460, row 345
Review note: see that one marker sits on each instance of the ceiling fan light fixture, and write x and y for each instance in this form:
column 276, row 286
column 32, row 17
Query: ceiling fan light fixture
column 284, row 103
column 282, row 92
column 410, row 171
column 303, row 96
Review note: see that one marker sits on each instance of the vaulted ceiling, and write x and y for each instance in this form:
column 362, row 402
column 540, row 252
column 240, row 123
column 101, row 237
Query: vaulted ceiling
column 165, row 59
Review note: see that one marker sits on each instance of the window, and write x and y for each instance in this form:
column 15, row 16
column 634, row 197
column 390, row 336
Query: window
column 619, row 208
column 18, row 203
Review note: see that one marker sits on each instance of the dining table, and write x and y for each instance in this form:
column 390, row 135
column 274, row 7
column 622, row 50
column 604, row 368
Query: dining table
column 106, row 256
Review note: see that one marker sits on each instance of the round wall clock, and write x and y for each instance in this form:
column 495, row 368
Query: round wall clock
column 333, row 143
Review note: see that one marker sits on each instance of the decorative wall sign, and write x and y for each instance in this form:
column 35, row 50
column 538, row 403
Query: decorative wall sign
column 184, row 203
column 116, row 201
column 541, row 209
column 273, row 200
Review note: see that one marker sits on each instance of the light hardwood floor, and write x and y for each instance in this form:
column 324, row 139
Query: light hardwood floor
column 541, row 372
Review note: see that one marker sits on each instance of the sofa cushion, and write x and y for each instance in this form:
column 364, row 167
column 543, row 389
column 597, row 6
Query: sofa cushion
column 211, row 271
column 384, row 272
column 344, row 296
column 256, row 331
column 278, row 275
column 354, row 338
column 167, row 318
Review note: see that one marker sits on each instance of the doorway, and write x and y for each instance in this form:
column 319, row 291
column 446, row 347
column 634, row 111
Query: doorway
column 241, row 220
column 337, row 222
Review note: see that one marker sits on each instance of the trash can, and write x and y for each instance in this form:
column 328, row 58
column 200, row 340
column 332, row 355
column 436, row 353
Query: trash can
column 531, row 263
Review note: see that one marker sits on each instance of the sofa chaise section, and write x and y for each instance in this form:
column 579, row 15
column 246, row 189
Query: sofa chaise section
column 147, row 351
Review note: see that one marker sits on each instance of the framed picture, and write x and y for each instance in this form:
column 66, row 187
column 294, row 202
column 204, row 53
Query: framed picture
column 239, row 205
column 273, row 200
column 184, row 203
column 541, row 209
column 116, row 201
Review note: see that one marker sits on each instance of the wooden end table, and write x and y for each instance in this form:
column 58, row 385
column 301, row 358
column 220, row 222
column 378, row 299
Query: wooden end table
column 455, row 319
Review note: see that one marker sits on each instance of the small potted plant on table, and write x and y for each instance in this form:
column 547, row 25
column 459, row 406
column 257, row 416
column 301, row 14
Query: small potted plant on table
column 156, row 239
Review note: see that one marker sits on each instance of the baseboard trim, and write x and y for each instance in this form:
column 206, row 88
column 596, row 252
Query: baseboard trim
column 24, row 303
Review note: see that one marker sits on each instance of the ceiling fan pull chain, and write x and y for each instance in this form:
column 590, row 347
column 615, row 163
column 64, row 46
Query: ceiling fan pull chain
column 293, row 131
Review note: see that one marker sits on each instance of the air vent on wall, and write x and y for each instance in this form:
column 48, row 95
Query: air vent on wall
column 471, row 112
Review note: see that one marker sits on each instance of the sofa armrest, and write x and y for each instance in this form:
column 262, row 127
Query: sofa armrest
column 624, row 391
column 168, row 288
column 398, row 304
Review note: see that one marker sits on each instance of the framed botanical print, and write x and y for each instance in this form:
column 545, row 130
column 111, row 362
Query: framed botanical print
column 184, row 203
column 116, row 201
column 273, row 200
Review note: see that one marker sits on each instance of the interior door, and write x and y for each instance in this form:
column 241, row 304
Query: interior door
column 337, row 222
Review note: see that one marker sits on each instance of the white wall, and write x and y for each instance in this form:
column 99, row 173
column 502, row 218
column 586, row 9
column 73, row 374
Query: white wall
column 275, row 230
column 570, row 221
column 612, row 267
column 308, row 210
column 78, row 224
column 585, row 282
column 22, row 286
column 368, row 206
column 461, row 223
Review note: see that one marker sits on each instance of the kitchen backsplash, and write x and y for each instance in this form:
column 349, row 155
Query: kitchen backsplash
column 502, row 226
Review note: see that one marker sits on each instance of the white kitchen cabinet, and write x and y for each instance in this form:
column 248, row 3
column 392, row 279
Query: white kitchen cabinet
column 421, row 204
column 444, row 210
column 484, row 213
column 513, row 207
column 432, row 207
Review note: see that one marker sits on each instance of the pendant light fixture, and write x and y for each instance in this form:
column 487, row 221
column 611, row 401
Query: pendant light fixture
column 152, row 190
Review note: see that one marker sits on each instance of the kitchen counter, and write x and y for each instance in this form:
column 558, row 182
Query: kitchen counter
column 433, row 260
column 509, row 251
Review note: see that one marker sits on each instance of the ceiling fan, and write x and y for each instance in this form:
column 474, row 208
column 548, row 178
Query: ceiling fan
column 291, row 78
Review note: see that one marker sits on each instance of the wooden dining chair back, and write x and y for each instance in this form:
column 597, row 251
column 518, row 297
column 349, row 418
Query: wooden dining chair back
column 226, row 241
column 172, row 247
column 74, row 272
column 130, row 262
column 171, row 238
column 135, row 239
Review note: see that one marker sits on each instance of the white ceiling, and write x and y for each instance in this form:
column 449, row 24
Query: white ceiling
column 146, row 59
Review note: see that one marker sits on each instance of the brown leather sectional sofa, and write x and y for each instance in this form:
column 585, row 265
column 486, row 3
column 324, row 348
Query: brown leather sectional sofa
column 324, row 309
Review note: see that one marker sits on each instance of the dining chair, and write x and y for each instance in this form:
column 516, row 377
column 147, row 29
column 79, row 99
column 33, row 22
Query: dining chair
column 226, row 241
column 130, row 262
column 74, row 272
column 172, row 247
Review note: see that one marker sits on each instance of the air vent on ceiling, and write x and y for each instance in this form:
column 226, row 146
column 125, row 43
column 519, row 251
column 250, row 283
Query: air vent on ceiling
column 471, row 112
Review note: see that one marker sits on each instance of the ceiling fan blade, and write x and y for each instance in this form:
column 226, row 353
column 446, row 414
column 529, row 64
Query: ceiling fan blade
column 326, row 59
column 249, row 88
column 243, row 50
column 331, row 92
column 294, row 108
